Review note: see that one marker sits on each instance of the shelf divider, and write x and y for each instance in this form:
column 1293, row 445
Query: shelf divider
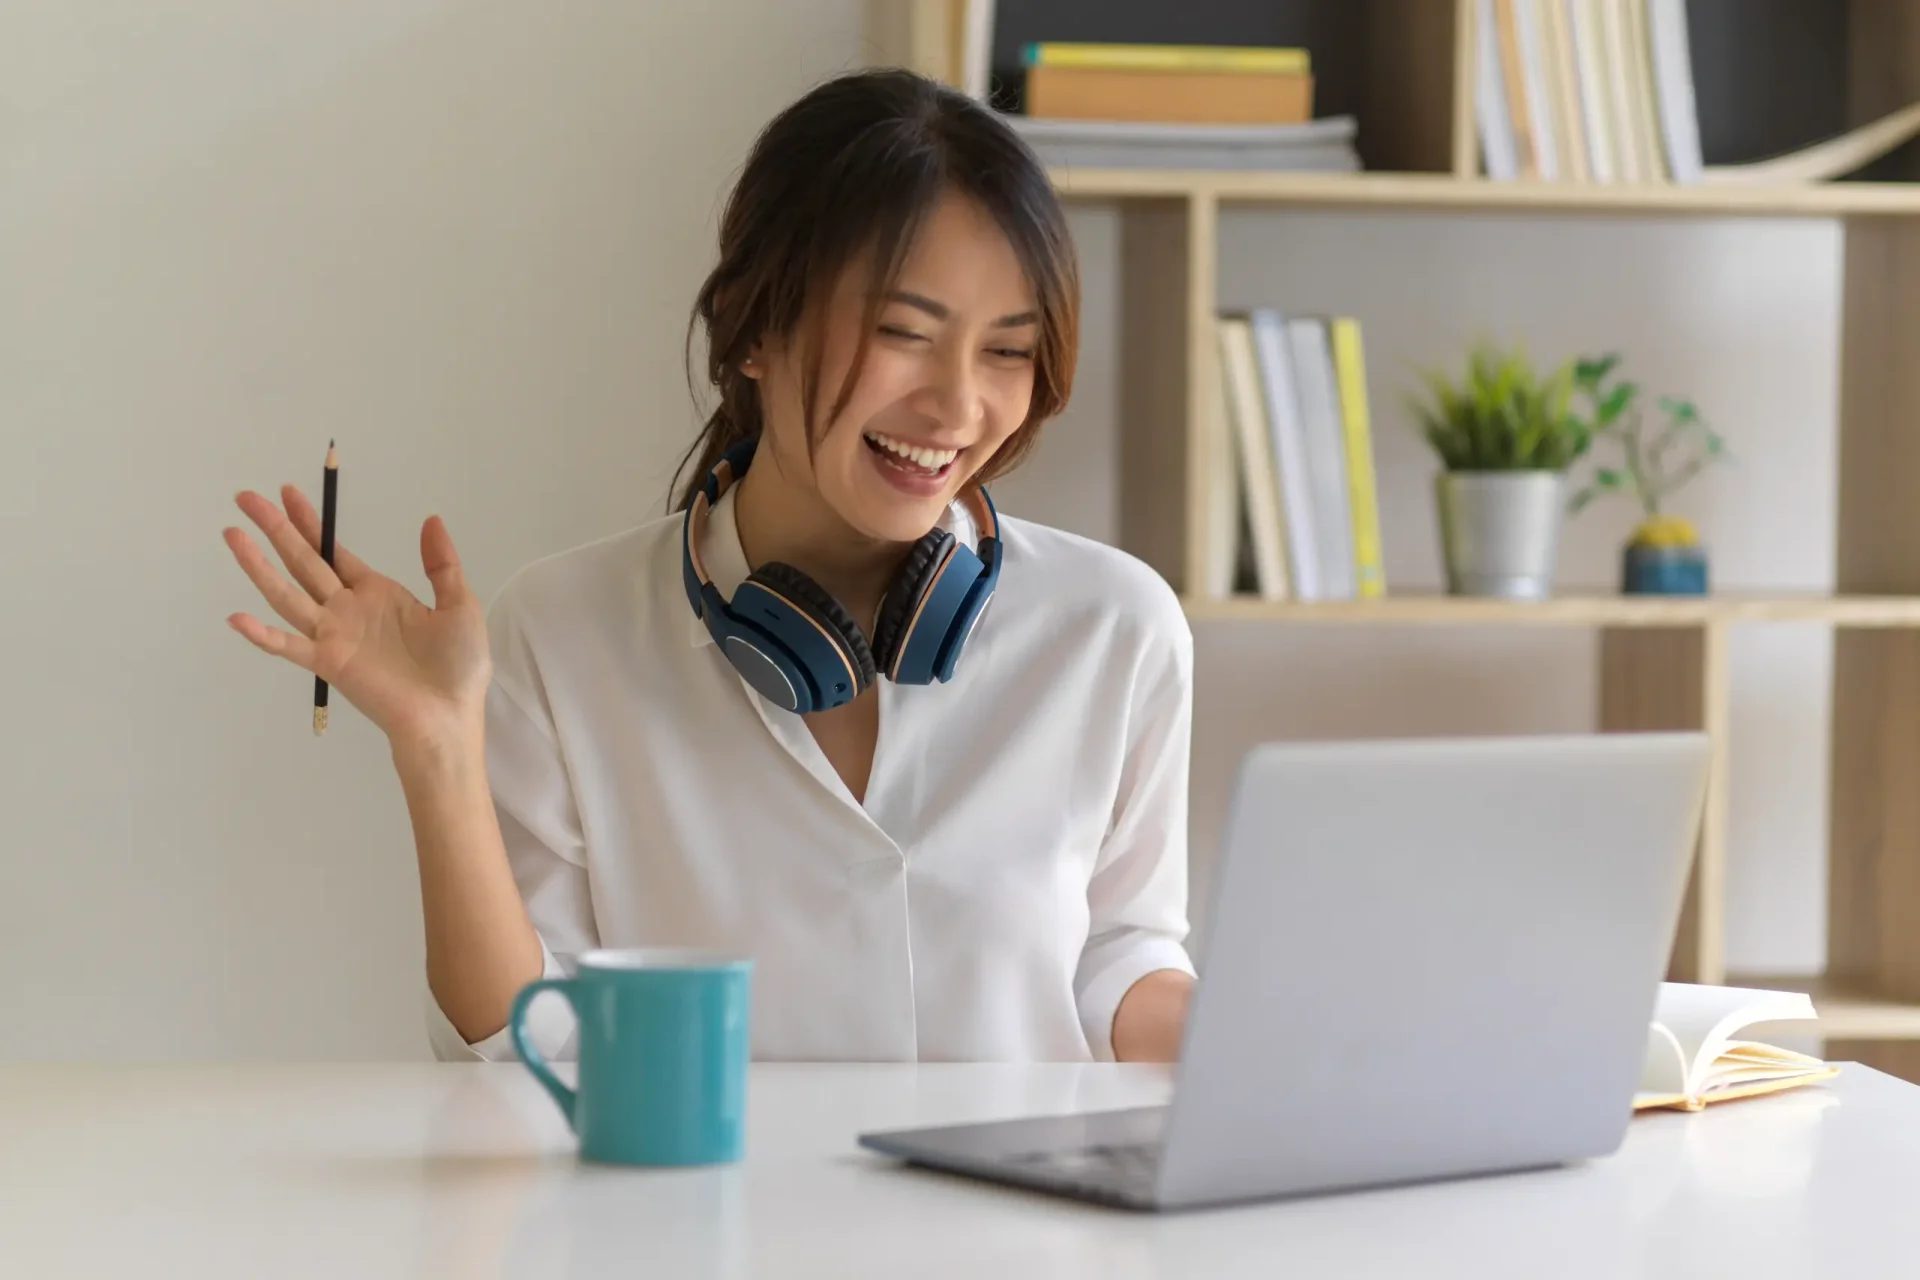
column 1663, row 678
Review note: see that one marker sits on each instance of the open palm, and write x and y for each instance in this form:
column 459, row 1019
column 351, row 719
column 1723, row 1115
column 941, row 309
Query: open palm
column 420, row 673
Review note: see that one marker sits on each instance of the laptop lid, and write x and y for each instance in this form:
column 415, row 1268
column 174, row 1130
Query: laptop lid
column 1430, row 957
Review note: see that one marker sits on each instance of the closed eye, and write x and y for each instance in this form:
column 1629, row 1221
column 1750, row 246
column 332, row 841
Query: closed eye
column 1013, row 353
column 895, row 331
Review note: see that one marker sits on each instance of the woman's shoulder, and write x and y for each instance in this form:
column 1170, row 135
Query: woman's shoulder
column 607, row 577
column 1079, row 580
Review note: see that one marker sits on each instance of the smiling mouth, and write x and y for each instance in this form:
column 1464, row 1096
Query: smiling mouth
column 913, row 459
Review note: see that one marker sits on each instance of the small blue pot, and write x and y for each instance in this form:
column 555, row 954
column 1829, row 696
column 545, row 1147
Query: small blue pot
column 1663, row 571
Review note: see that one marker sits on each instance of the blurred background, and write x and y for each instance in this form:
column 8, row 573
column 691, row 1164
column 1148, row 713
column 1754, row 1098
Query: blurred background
column 463, row 237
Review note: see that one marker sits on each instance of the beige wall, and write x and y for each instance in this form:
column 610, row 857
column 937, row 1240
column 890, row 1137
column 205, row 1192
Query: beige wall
column 462, row 235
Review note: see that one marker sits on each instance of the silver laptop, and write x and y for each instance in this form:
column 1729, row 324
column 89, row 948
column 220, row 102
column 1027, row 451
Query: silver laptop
column 1427, row 959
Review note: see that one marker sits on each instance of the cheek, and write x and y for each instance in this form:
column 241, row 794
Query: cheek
column 1012, row 398
column 784, row 421
column 887, row 378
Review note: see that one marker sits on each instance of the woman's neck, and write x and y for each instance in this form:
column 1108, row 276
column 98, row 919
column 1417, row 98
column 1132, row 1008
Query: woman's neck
column 778, row 521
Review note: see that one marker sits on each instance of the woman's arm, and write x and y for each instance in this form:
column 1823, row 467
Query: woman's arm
column 1152, row 1017
column 525, row 909
column 424, row 675
column 1134, row 974
column 481, row 946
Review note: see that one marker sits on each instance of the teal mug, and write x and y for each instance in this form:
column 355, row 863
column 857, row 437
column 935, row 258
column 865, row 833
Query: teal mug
column 663, row 1055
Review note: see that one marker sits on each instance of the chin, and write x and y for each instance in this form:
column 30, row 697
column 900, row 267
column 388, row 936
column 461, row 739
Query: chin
column 886, row 503
column 898, row 520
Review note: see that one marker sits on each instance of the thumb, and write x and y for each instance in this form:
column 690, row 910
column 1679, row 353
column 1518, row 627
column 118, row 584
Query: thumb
column 442, row 564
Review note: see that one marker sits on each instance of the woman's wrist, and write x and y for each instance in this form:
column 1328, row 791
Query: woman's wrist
column 451, row 755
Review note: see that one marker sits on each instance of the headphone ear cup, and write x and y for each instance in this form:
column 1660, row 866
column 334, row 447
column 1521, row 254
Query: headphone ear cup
column 902, row 601
column 820, row 613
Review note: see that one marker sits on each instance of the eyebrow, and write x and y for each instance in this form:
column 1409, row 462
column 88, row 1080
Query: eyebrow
column 940, row 311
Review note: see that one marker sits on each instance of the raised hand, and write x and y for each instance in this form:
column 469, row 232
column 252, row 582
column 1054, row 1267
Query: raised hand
column 420, row 673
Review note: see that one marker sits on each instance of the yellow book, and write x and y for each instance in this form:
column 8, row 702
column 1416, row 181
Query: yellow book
column 1350, row 370
column 1170, row 57
column 1692, row 1056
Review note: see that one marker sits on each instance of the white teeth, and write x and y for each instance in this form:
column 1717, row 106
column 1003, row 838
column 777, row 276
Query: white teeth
column 931, row 459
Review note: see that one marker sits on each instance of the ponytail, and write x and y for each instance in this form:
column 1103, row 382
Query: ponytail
column 735, row 418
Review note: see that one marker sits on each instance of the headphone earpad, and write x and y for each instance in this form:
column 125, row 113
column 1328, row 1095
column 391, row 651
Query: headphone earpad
column 812, row 599
column 904, row 596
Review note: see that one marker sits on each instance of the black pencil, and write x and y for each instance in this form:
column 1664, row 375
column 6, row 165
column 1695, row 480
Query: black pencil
column 329, row 501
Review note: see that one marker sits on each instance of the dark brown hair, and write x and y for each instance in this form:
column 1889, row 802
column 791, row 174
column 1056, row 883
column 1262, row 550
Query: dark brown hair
column 851, row 171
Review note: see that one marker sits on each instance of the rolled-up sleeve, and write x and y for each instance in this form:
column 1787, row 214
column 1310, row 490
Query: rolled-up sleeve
column 540, row 826
column 1137, row 896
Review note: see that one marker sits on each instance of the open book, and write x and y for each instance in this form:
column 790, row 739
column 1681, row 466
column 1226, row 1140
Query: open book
column 1693, row 1059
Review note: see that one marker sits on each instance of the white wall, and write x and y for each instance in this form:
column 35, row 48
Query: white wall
column 462, row 236
column 1742, row 316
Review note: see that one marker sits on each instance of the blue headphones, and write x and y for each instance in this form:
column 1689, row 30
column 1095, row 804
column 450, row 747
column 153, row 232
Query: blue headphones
column 796, row 645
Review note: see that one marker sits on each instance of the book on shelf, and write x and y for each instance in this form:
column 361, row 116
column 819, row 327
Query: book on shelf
column 1167, row 97
column 1693, row 1058
column 1294, row 417
column 1569, row 115
column 1317, row 146
column 1311, row 355
column 1168, row 57
column 1585, row 91
column 1281, row 399
column 1228, row 527
column 1356, row 439
column 1168, row 84
column 1253, row 460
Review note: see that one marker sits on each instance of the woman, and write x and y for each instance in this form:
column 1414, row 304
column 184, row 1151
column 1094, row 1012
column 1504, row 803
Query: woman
column 778, row 721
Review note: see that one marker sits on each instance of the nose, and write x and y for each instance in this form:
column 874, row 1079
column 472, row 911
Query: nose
column 955, row 389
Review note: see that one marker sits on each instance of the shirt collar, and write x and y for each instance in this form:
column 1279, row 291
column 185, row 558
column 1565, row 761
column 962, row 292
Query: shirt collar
column 726, row 562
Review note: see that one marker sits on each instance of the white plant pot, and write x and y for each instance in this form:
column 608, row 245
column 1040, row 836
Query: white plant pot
column 1500, row 531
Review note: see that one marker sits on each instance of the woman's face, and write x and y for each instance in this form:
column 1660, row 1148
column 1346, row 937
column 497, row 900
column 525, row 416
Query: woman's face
column 948, row 377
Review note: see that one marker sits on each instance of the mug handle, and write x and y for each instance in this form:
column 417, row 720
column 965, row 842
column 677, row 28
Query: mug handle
column 516, row 1022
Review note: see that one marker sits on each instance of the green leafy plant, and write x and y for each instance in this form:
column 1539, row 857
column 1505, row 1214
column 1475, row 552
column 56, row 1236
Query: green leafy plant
column 1502, row 416
column 1654, row 465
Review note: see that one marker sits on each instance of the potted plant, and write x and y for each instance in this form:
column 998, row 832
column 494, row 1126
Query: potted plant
column 1664, row 555
column 1505, row 438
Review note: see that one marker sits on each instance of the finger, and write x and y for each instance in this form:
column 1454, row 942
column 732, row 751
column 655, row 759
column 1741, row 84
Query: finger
column 281, row 644
column 302, row 561
column 351, row 568
column 442, row 564
column 289, row 601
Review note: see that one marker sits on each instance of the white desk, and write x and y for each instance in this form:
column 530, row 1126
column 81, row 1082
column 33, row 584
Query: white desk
column 361, row 1172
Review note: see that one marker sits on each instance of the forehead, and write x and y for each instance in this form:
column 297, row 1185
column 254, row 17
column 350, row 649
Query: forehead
column 959, row 256
column 960, row 238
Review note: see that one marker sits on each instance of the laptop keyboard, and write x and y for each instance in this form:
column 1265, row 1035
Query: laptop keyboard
column 1107, row 1161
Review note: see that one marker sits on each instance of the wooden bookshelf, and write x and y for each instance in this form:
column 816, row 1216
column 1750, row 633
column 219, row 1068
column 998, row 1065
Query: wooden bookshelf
column 1417, row 192
column 1571, row 610
column 1662, row 662
column 1845, row 1013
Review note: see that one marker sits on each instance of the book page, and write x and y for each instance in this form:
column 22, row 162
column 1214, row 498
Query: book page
column 1744, row 1062
column 1665, row 1070
column 1702, row 1019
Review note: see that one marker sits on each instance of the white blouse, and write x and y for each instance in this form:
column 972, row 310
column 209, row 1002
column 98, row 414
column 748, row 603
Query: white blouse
column 1020, row 861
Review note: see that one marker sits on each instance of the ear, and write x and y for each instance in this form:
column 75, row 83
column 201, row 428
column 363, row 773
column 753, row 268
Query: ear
column 753, row 364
